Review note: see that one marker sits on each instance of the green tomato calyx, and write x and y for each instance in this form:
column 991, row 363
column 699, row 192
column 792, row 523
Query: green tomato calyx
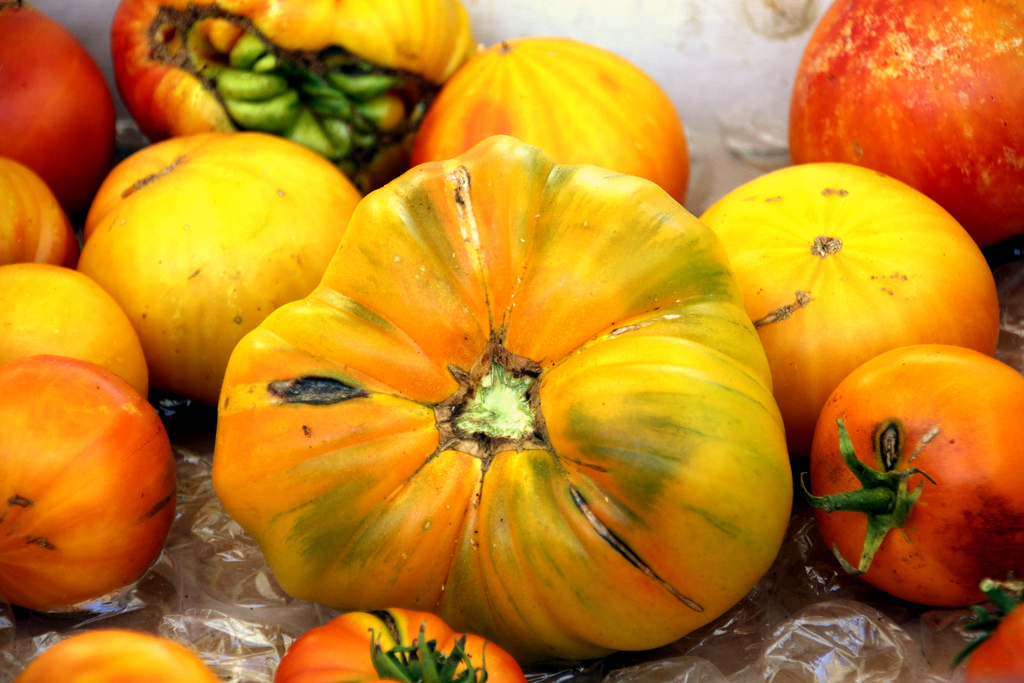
column 884, row 496
column 422, row 662
column 498, row 408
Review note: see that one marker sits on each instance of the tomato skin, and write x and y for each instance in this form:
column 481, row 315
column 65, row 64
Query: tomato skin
column 88, row 479
column 57, row 110
column 263, row 219
column 588, row 535
column 1000, row 659
column 116, row 656
column 33, row 226
column 340, row 649
column 963, row 417
column 607, row 111
column 47, row 309
column 839, row 263
column 926, row 92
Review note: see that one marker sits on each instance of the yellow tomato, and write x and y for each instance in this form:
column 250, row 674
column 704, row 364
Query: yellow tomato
column 199, row 238
column 48, row 309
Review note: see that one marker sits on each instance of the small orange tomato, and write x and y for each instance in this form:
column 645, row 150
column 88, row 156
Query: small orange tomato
column 116, row 656
column 915, row 473
column 87, row 483
column 580, row 103
column 381, row 645
column 33, row 226
column 47, row 309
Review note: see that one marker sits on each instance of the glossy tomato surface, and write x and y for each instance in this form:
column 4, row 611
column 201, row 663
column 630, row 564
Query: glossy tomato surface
column 198, row 238
column 88, row 480
column 47, row 309
column 579, row 102
column 33, row 226
column 116, row 656
column 340, row 650
column 838, row 263
column 957, row 416
column 57, row 111
column 349, row 80
column 525, row 397
column 927, row 92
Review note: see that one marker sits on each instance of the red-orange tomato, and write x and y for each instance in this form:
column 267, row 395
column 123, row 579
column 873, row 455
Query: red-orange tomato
column 926, row 91
column 957, row 416
column 340, row 650
column 57, row 112
column 33, row 226
column 116, row 656
column 1000, row 659
column 580, row 103
column 87, row 482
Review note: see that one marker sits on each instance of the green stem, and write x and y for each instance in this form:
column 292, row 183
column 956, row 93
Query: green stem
column 422, row 662
column 884, row 497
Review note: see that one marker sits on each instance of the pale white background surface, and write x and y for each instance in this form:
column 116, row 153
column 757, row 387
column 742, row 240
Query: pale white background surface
column 727, row 64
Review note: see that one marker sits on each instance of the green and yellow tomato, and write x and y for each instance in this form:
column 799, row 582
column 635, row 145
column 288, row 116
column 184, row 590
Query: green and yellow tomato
column 525, row 397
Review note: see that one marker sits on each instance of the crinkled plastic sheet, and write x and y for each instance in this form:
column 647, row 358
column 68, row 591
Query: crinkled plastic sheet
column 805, row 621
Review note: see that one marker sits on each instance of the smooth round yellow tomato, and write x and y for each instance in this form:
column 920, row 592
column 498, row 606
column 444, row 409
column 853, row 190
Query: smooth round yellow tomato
column 525, row 397
column 199, row 238
column 839, row 263
column 47, row 309
column 33, row 226
column 116, row 656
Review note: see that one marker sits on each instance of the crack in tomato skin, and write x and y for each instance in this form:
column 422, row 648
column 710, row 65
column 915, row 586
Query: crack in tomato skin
column 20, row 501
column 785, row 311
column 152, row 177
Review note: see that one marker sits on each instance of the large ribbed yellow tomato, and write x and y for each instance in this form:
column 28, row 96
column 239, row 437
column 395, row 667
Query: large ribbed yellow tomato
column 839, row 263
column 199, row 237
column 580, row 103
column 349, row 80
column 525, row 397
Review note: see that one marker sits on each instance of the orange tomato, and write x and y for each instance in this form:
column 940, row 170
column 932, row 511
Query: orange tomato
column 47, row 309
column 351, row 647
column 33, row 226
column 581, row 103
column 87, row 480
column 940, row 428
column 116, row 656
column 838, row 263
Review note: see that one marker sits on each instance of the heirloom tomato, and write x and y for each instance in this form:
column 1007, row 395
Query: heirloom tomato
column 525, row 397
column 56, row 112
column 915, row 472
column 199, row 237
column 577, row 101
column 350, row 80
column 47, row 309
column 87, row 480
column 928, row 92
column 838, row 263
column 394, row 645
column 114, row 655
column 33, row 226
column 998, row 655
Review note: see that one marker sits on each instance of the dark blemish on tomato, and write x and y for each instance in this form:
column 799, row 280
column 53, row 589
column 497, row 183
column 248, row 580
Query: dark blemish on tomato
column 307, row 432
column 785, row 311
column 40, row 541
column 19, row 501
column 315, row 391
column 990, row 537
column 160, row 505
column 152, row 177
column 238, row 320
column 619, row 546
column 776, row 198
column 194, row 273
column 833, row 192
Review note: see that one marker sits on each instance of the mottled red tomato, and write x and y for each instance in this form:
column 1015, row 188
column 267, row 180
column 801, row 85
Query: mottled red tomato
column 56, row 112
